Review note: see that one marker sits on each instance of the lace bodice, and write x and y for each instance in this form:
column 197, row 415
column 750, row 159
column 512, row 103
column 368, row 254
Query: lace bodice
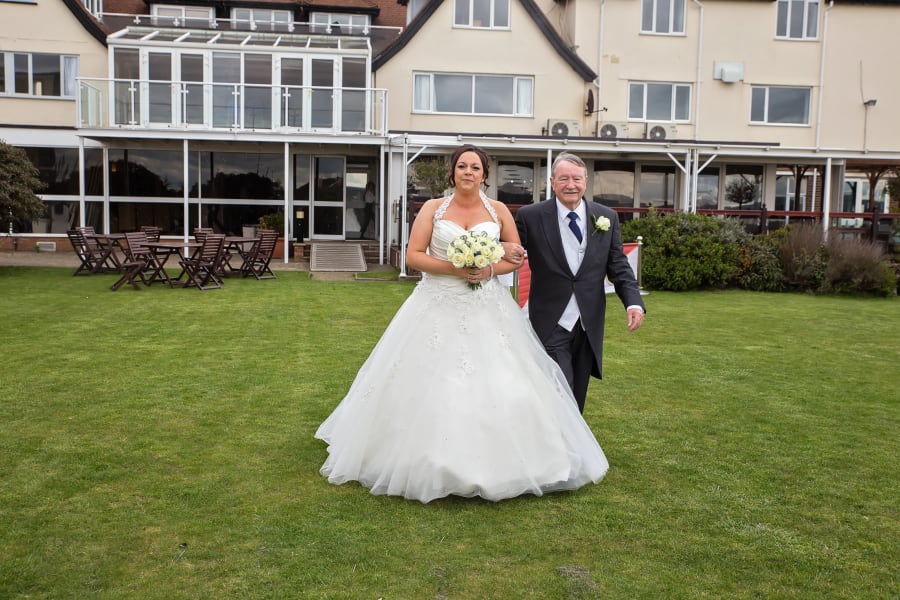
column 444, row 230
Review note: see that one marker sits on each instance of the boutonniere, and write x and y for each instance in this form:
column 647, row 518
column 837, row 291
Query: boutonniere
column 601, row 224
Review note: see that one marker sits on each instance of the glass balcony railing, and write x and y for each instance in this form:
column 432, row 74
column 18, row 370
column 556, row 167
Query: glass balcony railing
column 145, row 104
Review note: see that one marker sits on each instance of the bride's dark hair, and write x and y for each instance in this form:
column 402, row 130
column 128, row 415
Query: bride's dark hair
column 485, row 162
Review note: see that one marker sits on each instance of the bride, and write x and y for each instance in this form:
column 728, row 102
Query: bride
column 459, row 397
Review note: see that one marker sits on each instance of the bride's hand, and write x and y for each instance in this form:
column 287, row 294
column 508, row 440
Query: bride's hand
column 473, row 275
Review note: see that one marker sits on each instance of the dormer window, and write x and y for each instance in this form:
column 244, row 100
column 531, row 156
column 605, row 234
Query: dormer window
column 324, row 22
column 263, row 19
column 167, row 15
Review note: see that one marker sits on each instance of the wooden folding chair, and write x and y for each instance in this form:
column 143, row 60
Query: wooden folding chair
column 91, row 257
column 257, row 259
column 131, row 271
column 202, row 269
column 106, row 249
column 138, row 251
column 152, row 232
column 201, row 232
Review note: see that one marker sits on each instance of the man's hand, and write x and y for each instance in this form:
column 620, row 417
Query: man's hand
column 513, row 253
column 635, row 318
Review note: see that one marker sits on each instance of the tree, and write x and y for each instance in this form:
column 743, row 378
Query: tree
column 431, row 174
column 741, row 191
column 19, row 182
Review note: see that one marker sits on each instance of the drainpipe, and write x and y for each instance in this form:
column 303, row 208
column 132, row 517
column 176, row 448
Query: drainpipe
column 699, row 69
column 599, row 81
column 822, row 73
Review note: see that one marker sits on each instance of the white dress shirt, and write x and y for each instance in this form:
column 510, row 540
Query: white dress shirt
column 574, row 254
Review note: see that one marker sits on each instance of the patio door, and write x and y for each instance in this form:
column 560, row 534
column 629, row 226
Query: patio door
column 328, row 198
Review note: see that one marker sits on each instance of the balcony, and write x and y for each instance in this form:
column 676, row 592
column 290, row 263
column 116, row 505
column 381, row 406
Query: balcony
column 196, row 106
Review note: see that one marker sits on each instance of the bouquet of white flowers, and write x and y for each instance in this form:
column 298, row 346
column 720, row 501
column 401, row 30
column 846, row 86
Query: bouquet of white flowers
column 474, row 249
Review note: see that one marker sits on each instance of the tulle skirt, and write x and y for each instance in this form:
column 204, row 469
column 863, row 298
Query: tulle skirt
column 458, row 397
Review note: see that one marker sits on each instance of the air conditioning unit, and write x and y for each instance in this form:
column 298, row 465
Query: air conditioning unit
column 661, row 131
column 563, row 128
column 611, row 130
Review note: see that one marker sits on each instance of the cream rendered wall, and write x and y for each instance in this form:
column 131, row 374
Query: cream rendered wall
column 47, row 26
column 745, row 32
column 732, row 31
column 861, row 64
column 438, row 47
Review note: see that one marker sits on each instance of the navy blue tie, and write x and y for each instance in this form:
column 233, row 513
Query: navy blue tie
column 573, row 225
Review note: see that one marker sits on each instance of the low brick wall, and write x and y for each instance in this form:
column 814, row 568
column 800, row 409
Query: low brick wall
column 17, row 243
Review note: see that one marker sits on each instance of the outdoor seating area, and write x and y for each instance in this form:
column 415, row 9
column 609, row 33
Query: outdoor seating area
column 140, row 258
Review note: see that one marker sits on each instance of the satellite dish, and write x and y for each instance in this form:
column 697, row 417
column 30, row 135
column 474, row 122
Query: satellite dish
column 657, row 132
column 559, row 129
column 609, row 131
column 589, row 109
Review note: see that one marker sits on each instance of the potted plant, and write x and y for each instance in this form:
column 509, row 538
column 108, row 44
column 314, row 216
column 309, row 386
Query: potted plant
column 274, row 221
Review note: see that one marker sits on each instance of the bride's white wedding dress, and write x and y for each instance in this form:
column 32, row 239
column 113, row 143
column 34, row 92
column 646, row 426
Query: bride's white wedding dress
column 458, row 397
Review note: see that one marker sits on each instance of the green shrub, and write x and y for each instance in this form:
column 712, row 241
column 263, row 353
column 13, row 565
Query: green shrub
column 803, row 257
column 684, row 251
column 760, row 268
column 858, row 267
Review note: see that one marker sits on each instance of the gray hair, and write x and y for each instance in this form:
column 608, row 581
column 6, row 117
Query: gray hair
column 570, row 158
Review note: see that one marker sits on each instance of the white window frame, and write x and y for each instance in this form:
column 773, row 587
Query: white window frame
column 185, row 16
column 786, row 20
column 354, row 23
column 424, row 94
column 766, row 98
column 673, row 111
column 788, row 181
column 68, row 74
column 413, row 8
column 261, row 16
column 677, row 9
column 470, row 12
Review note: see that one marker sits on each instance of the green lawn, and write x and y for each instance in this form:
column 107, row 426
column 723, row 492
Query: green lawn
column 159, row 444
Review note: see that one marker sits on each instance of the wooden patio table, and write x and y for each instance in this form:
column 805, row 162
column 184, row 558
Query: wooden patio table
column 163, row 250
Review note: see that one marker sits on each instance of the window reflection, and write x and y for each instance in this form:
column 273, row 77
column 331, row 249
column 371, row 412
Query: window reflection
column 613, row 183
column 141, row 172
column 742, row 187
column 658, row 187
column 241, row 175
column 708, row 191
column 515, row 182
